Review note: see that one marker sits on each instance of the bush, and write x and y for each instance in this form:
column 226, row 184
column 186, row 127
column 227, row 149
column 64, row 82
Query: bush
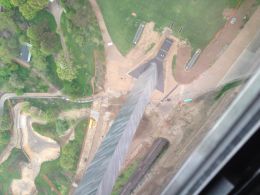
column 65, row 69
column 29, row 8
column 50, row 43
column 61, row 126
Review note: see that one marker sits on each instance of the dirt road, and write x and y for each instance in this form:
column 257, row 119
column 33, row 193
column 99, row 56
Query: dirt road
column 184, row 127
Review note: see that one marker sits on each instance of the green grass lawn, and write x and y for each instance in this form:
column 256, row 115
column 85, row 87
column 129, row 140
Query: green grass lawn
column 173, row 64
column 200, row 19
column 226, row 88
column 10, row 169
column 55, row 106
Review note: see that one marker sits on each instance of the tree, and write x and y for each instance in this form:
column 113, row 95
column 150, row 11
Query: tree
column 27, row 11
column 50, row 43
column 65, row 69
column 82, row 18
column 68, row 159
column 36, row 31
column 29, row 8
column 61, row 126
column 6, row 4
column 66, row 73
column 39, row 59
column 5, row 124
column 17, row 2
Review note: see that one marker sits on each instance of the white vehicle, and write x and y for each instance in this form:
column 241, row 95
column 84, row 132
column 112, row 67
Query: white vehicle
column 109, row 44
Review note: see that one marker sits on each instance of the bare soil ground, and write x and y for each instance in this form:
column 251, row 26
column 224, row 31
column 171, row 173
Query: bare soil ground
column 75, row 113
column 216, row 47
column 184, row 126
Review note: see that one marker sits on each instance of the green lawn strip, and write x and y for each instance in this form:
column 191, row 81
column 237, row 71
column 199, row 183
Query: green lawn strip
column 52, row 74
column 55, row 106
column 124, row 177
column 5, row 126
column 226, row 88
column 10, row 169
column 173, row 63
column 4, row 140
column 199, row 19
column 59, row 175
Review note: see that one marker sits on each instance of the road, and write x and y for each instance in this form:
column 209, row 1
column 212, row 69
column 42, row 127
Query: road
column 7, row 96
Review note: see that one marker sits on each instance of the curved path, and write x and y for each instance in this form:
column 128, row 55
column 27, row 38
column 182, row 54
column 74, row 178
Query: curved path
column 7, row 96
column 36, row 147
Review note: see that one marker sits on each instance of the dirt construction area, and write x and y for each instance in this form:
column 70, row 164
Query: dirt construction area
column 183, row 124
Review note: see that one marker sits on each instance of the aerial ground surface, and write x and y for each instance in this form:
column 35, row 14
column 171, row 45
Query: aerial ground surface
column 56, row 109
column 197, row 21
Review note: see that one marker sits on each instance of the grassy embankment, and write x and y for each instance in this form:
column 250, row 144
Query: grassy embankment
column 10, row 169
column 226, row 88
column 5, row 125
column 124, row 177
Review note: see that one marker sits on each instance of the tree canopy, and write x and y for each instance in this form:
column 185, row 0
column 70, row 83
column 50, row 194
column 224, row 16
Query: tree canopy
column 6, row 4
column 65, row 68
column 29, row 8
column 41, row 36
column 9, row 43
